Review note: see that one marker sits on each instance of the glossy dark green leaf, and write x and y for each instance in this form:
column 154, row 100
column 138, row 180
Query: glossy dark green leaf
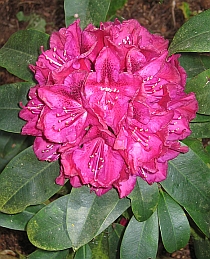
column 77, row 217
column 194, row 63
column 144, row 199
column 193, row 36
column 42, row 254
column 201, row 118
column 88, row 215
column 88, row 11
column 200, row 130
column 19, row 221
column 188, row 183
column 22, row 49
column 200, row 85
column 100, row 246
column 197, row 146
column 114, row 6
column 115, row 232
column 84, row 252
column 201, row 219
column 140, row 240
column 174, row 225
column 47, row 229
column 10, row 145
column 27, row 181
column 202, row 248
column 10, row 97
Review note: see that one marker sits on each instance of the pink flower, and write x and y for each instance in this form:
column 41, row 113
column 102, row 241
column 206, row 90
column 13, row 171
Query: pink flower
column 110, row 105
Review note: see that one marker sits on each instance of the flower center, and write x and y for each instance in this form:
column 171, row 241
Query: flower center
column 58, row 59
column 35, row 108
column 139, row 135
column 68, row 117
column 96, row 161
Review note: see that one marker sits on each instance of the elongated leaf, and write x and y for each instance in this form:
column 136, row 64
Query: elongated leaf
column 42, row 254
column 140, row 240
column 174, row 226
column 47, row 229
column 201, row 219
column 26, row 181
column 84, row 252
column 193, row 35
column 201, row 118
column 115, row 232
column 88, row 11
column 10, row 145
column 88, row 215
column 188, row 183
column 202, row 248
column 10, row 97
column 100, row 246
column 194, row 63
column 200, row 85
column 77, row 217
column 197, row 146
column 114, row 6
column 22, row 49
column 200, row 130
column 20, row 220
column 144, row 199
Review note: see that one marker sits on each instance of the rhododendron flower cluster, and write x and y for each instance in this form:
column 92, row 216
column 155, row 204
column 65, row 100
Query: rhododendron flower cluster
column 109, row 104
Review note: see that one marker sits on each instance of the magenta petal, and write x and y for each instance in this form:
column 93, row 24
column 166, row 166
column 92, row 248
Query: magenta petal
column 135, row 60
column 107, row 66
column 158, row 176
column 152, row 68
column 66, row 118
column 31, row 113
column 46, row 150
column 125, row 187
column 100, row 165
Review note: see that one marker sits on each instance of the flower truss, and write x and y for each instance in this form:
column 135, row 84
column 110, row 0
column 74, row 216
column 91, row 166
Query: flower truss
column 110, row 105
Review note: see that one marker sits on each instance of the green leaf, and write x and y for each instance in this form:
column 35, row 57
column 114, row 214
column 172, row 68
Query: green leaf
column 200, row 130
column 88, row 11
column 10, row 97
column 10, row 146
column 114, row 7
column 200, row 85
column 201, row 118
column 47, row 229
column 144, row 199
column 202, row 248
column 194, row 63
column 20, row 220
column 88, row 215
column 100, row 246
column 201, row 219
column 115, row 232
column 197, row 146
column 193, row 35
column 42, row 254
column 140, row 240
column 188, row 183
column 22, row 49
column 174, row 226
column 26, row 181
column 74, row 219
column 84, row 252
